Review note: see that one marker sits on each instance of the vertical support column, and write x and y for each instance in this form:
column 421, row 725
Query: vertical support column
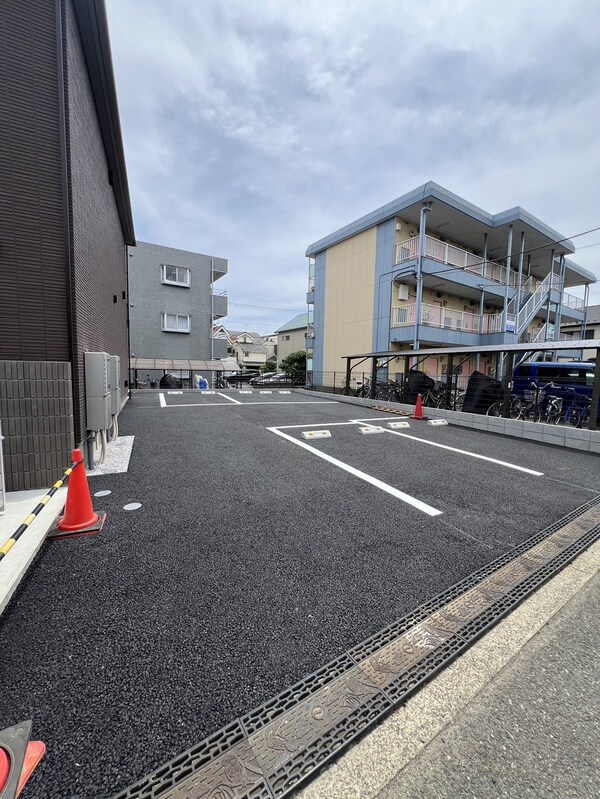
column 348, row 374
column 595, row 394
column 561, row 281
column 549, row 294
column 449, row 376
column 586, row 296
column 373, row 377
column 481, row 304
column 520, row 277
column 507, row 276
column 529, row 265
column 419, row 276
column 507, row 380
column 485, row 254
column 406, row 371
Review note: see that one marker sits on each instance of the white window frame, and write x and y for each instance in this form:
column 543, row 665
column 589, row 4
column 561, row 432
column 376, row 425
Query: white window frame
column 164, row 322
column 186, row 276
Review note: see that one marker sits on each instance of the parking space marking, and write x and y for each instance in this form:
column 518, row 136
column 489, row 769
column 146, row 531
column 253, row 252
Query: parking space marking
column 460, row 451
column 416, row 503
column 315, row 424
column 163, row 402
column 244, row 404
column 231, row 399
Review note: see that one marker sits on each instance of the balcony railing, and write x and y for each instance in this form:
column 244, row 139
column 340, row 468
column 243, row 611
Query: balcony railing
column 571, row 301
column 455, row 256
column 436, row 316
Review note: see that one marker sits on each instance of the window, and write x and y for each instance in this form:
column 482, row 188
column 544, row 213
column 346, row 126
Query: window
column 286, row 338
column 175, row 323
column 175, row 275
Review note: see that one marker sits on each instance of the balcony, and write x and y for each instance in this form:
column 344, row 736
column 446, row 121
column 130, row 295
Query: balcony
column 571, row 301
column 454, row 256
column 220, row 267
column 437, row 316
column 220, row 306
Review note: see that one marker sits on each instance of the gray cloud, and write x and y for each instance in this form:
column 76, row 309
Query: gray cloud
column 252, row 130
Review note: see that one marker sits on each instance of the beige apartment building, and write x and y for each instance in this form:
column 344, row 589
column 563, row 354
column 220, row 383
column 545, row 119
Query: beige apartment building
column 291, row 337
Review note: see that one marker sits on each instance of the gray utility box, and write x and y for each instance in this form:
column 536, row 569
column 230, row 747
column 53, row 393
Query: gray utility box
column 97, row 390
column 114, row 383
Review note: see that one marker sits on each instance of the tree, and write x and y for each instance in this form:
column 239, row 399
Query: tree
column 294, row 363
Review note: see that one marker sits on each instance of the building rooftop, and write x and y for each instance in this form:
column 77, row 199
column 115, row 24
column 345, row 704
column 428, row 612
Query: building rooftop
column 459, row 219
column 297, row 323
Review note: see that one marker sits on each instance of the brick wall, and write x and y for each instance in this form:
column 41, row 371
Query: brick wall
column 36, row 410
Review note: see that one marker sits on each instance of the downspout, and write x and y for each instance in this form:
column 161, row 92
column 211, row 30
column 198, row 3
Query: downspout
column 422, row 223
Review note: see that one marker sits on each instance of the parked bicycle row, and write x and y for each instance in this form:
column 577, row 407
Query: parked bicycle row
column 539, row 404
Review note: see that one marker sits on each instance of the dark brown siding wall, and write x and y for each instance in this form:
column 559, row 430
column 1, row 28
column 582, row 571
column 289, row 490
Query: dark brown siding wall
column 98, row 249
column 33, row 305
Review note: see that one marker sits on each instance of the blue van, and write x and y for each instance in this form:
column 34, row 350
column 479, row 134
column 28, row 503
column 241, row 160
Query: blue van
column 564, row 375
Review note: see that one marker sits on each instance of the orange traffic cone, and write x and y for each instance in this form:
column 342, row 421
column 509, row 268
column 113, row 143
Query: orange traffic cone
column 79, row 518
column 418, row 414
column 18, row 758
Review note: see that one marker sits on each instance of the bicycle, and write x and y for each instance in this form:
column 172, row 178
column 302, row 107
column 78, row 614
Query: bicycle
column 573, row 411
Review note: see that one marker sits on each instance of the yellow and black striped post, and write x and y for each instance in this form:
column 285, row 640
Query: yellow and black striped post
column 8, row 545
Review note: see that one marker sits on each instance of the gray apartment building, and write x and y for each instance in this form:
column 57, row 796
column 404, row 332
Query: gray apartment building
column 66, row 221
column 172, row 306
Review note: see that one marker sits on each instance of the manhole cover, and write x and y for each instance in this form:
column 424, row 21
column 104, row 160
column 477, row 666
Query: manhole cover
column 132, row 506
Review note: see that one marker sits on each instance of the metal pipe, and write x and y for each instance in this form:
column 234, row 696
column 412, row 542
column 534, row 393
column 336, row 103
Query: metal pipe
column 419, row 276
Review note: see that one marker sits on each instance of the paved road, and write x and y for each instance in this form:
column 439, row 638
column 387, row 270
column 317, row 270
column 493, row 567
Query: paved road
column 251, row 563
column 534, row 733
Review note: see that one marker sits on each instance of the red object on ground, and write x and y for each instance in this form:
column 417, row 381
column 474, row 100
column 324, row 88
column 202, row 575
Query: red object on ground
column 35, row 752
column 79, row 512
column 4, row 768
column 418, row 414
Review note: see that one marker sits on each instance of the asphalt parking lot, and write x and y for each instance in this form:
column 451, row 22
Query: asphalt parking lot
column 257, row 556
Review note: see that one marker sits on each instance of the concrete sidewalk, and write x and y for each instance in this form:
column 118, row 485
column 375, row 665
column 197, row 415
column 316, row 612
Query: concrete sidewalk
column 517, row 716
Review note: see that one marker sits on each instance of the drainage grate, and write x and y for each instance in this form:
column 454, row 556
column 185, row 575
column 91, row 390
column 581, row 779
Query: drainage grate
column 268, row 752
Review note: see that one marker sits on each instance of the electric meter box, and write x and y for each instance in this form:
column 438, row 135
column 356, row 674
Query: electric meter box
column 97, row 390
column 114, row 382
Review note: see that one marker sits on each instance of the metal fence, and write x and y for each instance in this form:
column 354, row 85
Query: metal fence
column 392, row 387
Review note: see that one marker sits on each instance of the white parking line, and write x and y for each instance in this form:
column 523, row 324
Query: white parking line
column 231, row 399
column 265, row 402
column 163, row 402
column 460, row 451
column 315, row 424
column 416, row 503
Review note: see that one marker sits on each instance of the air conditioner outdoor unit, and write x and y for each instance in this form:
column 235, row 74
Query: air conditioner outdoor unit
column 412, row 232
column 402, row 292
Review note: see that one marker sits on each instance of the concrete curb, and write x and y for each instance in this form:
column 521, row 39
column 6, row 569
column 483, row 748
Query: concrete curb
column 569, row 437
column 377, row 759
column 18, row 560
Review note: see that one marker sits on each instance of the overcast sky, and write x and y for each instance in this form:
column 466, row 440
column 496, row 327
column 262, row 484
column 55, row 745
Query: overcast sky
column 252, row 129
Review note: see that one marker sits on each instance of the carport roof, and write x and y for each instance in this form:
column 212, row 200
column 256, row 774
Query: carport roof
column 571, row 344
column 180, row 363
